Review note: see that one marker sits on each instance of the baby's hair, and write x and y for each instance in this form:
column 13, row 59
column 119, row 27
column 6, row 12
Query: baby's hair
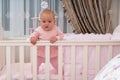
column 47, row 11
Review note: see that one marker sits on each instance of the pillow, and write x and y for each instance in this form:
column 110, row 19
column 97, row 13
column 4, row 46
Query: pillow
column 111, row 71
column 115, row 36
column 116, row 33
column 117, row 29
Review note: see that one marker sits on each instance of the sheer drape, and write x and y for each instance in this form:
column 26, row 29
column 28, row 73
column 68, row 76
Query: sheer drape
column 88, row 16
column 19, row 17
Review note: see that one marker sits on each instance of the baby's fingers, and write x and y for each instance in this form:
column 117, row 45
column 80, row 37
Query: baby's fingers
column 52, row 41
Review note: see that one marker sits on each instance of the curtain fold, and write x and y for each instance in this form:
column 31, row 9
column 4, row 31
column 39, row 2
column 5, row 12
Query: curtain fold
column 88, row 16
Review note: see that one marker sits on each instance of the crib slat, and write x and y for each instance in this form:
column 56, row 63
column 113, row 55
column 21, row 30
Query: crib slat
column 31, row 55
column 85, row 62
column 33, row 50
column 13, row 54
column 8, row 61
column 97, row 59
column 73, row 62
column 21, row 54
column 2, row 56
column 60, row 59
column 47, row 62
column 110, row 48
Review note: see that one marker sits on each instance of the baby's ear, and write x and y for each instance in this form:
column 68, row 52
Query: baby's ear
column 39, row 20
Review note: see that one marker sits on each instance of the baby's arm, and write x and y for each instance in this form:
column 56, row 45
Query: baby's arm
column 53, row 39
column 33, row 40
column 34, row 37
column 59, row 36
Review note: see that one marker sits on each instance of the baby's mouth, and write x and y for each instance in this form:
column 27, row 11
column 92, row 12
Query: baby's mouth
column 46, row 26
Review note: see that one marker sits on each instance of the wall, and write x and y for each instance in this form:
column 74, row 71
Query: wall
column 115, row 16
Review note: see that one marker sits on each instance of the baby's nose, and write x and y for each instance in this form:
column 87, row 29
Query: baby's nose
column 46, row 23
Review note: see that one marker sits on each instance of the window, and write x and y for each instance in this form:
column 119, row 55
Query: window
column 16, row 16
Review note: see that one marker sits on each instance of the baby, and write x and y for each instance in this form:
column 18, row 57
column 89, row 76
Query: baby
column 47, row 31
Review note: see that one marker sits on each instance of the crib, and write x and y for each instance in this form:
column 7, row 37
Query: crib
column 77, row 60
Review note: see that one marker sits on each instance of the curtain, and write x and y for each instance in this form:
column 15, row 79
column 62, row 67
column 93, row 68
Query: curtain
column 19, row 17
column 88, row 16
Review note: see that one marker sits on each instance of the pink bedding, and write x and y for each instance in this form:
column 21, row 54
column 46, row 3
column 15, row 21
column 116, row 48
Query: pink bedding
column 15, row 71
column 91, row 60
column 91, row 54
column 72, row 36
column 27, row 72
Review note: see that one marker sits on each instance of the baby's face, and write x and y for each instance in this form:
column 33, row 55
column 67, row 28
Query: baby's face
column 47, row 22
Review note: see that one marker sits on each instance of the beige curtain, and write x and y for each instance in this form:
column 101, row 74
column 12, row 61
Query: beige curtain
column 88, row 16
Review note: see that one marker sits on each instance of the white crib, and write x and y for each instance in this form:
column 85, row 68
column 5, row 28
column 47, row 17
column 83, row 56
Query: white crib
column 9, row 48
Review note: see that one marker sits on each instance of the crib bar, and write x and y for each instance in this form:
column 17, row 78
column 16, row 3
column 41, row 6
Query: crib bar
column 13, row 53
column 8, row 61
column 97, row 58
column 31, row 55
column 85, row 62
column 110, row 48
column 60, row 65
column 33, row 50
column 47, row 61
column 21, row 59
column 2, row 56
column 73, row 62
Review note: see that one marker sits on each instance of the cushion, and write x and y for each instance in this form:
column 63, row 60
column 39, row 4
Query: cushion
column 117, row 29
column 116, row 33
column 111, row 71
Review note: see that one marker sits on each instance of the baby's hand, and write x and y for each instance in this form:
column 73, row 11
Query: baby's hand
column 33, row 40
column 53, row 39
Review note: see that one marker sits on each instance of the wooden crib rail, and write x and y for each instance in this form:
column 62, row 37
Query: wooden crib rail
column 33, row 49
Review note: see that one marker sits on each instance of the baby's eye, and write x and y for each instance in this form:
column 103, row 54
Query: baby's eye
column 49, row 21
column 44, row 21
